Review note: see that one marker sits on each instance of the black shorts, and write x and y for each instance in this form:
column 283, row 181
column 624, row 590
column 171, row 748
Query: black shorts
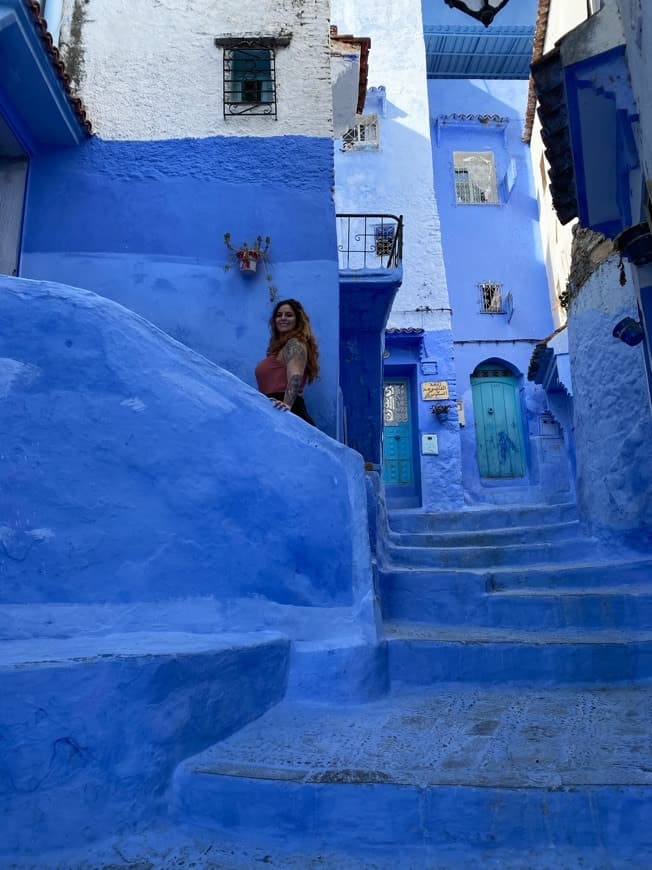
column 299, row 407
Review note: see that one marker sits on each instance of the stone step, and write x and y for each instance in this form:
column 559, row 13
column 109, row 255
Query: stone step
column 490, row 557
column 461, row 768
column 477, row 519
column 489, row 537
column 94, row 726
column 621, row 606
column 425, row 593
column 421, row 654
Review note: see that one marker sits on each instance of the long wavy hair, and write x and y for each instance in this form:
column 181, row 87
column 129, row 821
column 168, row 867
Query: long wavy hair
column 302, row 331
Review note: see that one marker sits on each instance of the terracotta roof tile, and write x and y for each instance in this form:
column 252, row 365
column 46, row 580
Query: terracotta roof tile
column 537, row 53
column 58, row 65
column 365, row 44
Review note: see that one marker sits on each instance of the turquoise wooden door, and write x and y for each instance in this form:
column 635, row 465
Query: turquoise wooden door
column 398, row 469
column 498, row 429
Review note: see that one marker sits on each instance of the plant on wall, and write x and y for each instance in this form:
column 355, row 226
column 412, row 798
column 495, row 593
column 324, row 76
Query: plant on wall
column 441, row 411
column 249, row 256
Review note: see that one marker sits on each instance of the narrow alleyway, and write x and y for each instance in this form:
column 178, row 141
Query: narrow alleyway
column 515, row 732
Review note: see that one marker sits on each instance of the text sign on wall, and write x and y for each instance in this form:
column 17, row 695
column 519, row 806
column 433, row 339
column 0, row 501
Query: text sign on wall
column 434, row 390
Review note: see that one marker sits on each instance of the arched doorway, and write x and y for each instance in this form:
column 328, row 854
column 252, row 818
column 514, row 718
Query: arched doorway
column 498, row 424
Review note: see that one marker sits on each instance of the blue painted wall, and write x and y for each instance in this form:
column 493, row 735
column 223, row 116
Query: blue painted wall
column 495, row 242
column 136, row 470
column 430, row 359
column 611, row 410
column 143, row 223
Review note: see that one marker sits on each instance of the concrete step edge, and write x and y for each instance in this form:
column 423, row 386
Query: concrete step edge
column 431, row 633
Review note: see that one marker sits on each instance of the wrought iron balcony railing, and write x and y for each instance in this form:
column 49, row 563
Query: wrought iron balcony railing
column 369, row 241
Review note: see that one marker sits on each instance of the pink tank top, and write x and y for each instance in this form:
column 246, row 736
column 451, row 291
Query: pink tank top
column 271, row 376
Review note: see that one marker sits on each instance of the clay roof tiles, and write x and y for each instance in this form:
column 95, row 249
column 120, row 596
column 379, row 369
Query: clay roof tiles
column 58, row 65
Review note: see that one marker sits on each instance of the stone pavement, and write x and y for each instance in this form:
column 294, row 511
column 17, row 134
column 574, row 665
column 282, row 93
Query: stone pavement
column 451, row 735
column 550, row 741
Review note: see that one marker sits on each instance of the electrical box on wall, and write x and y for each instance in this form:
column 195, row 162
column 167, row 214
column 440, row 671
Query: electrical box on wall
column 429, row 445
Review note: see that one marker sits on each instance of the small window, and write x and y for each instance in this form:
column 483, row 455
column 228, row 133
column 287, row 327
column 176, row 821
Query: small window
column 249, row 81
column 491, row 298
column 384, row 239
column 365, row 136
column 475, row 177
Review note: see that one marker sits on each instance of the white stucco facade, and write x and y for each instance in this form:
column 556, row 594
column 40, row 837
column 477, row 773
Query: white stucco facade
column 151, row 70
column 556, row 238
column 398, row 178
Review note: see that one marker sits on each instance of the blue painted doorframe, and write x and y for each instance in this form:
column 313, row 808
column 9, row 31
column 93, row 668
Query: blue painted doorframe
column 498, row 425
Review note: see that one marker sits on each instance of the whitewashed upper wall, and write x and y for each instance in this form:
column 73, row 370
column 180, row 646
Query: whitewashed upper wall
column 149, row 69
column 563, row 15
column 556, row 239
column 398, row 179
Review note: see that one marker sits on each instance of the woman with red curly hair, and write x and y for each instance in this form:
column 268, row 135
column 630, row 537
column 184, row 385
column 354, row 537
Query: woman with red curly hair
column 292, row 359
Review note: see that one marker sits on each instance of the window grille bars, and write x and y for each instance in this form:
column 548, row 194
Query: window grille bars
column 365, row 136
column 491, row 298
column 475, row 177
column 369, row 241
column 249, row 80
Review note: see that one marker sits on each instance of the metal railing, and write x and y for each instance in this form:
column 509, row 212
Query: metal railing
column 369, row 241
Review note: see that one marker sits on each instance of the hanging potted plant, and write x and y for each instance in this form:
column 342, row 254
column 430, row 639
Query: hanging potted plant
column 248, row 256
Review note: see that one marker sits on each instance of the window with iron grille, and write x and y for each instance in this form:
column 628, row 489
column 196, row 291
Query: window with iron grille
column 475, row 177
column 249, row 80
column 365, row 136
column 491, row 298
column 384, row 239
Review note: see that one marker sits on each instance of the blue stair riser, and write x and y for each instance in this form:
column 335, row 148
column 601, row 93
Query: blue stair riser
column 493, row 537
column 535, row 612
column 482, row 519
column 428, row 582
column 492, row 557
column 427, row 663
column 376, row 814
column 579, row 576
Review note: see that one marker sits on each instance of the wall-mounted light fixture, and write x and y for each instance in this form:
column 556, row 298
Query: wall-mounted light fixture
column 628, row 330
column 482, row 10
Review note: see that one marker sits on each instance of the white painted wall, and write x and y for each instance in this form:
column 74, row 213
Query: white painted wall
column 398, row 179
column 149, row 69
column 556, row 239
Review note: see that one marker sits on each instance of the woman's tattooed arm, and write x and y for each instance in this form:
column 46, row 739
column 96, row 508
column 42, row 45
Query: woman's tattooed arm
column 295, row 356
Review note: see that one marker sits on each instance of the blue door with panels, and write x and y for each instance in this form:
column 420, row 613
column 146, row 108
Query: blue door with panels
column 498, row 426
column 398, row 463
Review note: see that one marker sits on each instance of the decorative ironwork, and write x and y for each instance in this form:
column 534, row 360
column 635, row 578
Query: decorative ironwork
column 249, row 79
column 365, row 136
column 395, row 404
column 493, row 373
column 369, row 241
column 482, row 10
column 475, row 177
column 491, row 298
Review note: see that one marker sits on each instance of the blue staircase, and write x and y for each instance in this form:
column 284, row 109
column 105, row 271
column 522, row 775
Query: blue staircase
column 516, row 729
column 513, row 595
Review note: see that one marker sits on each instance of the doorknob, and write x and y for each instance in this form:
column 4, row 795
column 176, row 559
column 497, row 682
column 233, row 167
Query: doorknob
column 490, row 410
